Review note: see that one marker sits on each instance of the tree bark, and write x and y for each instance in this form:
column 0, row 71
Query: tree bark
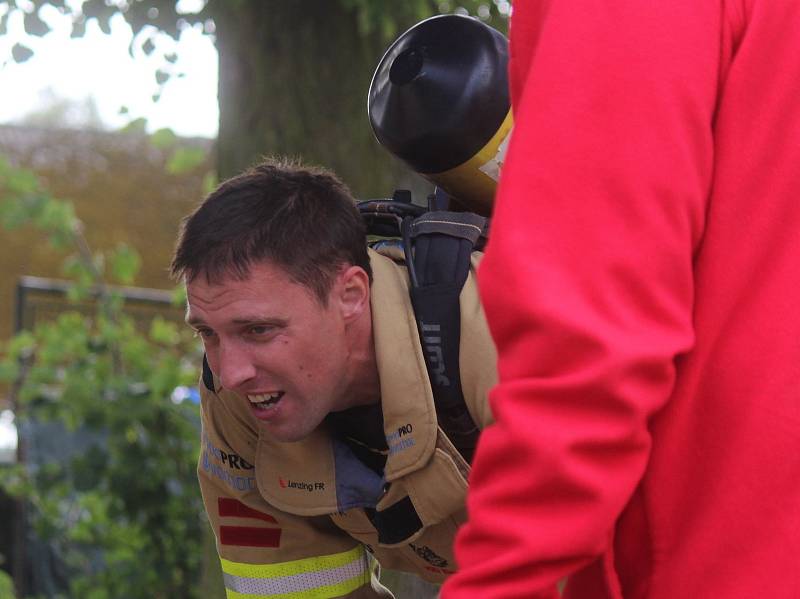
column 293, row 81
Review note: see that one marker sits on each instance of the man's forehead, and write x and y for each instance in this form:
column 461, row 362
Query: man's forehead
column 223, row 274
column 235, row 305
column 202, row 292
column 265, row 290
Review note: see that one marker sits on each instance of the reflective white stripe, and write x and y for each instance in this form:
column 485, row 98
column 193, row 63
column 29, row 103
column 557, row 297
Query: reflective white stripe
column 294, row 584
column 311, row 578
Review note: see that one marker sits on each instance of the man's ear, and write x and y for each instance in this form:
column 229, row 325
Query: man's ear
column 352, row 292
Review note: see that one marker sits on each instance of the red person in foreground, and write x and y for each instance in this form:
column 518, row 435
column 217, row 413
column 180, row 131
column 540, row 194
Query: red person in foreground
column 642, row 286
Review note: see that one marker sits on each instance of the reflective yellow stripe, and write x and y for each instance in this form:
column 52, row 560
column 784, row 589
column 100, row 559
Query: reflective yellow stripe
column 300, row 566
column 310, row 578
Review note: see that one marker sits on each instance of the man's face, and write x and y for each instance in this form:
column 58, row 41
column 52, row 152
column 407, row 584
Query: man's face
column 271, row 340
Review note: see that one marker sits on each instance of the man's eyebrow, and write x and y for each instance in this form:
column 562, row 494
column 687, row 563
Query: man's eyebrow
column 194, row 321
column 278, row 322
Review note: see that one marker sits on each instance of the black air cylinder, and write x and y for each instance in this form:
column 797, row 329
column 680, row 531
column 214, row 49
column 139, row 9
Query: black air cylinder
column 439, row 101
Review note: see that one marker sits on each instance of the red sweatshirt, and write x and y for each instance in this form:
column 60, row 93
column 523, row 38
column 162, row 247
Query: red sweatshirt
column 643, row 286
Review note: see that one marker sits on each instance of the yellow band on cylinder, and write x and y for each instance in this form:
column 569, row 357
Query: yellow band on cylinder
column 474, row 181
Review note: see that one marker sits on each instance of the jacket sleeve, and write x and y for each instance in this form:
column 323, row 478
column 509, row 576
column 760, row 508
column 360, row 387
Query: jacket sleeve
column 265, row 552
column 587, row 280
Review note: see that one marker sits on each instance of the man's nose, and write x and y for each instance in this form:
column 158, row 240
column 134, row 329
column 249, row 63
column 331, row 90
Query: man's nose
column 233, row 366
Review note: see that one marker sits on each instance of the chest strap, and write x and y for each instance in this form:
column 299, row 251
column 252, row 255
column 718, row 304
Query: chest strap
column 396, row 523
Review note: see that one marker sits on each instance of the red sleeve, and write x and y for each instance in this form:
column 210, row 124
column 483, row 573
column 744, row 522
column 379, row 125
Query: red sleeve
column 587, row 281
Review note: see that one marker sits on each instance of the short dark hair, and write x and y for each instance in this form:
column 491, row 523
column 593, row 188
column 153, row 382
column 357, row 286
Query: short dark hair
column 302, row 218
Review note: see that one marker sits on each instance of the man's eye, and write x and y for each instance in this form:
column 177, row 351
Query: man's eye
column 204, row 333
column 259, row 329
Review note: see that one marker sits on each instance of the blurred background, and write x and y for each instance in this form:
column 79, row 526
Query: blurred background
column 116, row 118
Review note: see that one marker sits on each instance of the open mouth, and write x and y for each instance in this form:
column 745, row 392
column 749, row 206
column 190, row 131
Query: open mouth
column 265, row 401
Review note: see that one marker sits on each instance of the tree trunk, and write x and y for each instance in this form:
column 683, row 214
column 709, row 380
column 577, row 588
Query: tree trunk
column 293, row 80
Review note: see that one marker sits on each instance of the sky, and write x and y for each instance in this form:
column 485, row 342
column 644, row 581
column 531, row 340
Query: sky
column 99, row 66
column 8, row 437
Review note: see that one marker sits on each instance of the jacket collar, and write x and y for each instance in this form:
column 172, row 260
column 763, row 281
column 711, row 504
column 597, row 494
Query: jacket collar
column 409, row 414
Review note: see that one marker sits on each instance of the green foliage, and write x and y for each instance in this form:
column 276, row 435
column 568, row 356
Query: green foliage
column 28, row 204
column 34, row 25
column 149, row 18
column 385, row 17
column 6, row 586
column 185, row 159
column 210, row 182
column 137, row 125
column 164, row 138
column 125, row 263
column 21, row 53
column 162, row 77
column 182, row 159
column 124, row 512
column 382, row 16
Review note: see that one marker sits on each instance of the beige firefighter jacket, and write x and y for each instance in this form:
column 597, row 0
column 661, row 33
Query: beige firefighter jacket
column 299, row 519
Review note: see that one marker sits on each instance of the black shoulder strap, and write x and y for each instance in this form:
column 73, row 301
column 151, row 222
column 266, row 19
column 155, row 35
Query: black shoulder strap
column 208, row 377
column 438, row 247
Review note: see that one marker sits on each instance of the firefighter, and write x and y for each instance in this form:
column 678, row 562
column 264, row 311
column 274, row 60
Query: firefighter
column 321, row 456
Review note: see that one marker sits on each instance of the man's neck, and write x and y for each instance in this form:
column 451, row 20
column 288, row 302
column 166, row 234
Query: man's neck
column 364, row 386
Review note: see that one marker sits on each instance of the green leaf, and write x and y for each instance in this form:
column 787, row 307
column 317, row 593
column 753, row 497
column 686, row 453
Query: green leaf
column 179, row 296
column 125, row 263
column 184, row 160
column 78, row 28
column 21, row 345
column 16, row 482
column 148, row 46
column 105, row 24
column 135, row 126
column 9, row 371
column 164, row 332
column 17, row 181
column 34, row 24
column 210, row 182
column 56, row 216
column 6, row 585
column 81, row 275
column 163, row 138
column 13, row 214
column 21, row 53
column 162, row 77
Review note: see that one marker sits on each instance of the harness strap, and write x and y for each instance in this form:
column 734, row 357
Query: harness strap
column 396, row 523
column 438, row 248
column 208, row 376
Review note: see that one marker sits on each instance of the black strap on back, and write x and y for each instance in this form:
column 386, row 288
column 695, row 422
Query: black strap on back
column 208, row 377
column 438, row 246
column 396, row 523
